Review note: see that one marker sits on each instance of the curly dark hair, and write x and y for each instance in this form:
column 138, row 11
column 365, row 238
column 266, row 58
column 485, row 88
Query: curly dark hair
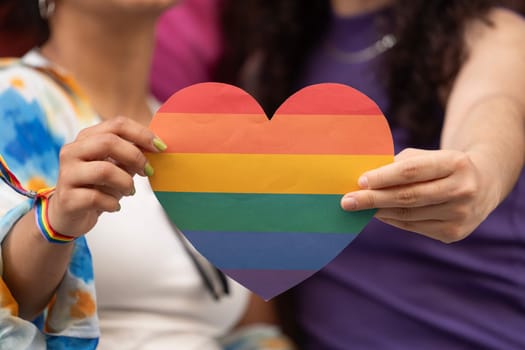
column 429, row 51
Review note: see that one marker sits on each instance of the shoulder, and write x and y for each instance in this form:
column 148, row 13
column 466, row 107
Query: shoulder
column 24, row 95
column 503, row 27
column 20, row 87
column 27, row 133
column 14, row 74
column 509, row 25
column 24, row 89
column 44, row 94
column 37, row 117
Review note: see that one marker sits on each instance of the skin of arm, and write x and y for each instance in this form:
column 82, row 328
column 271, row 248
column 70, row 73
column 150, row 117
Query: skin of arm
column 27, row 270
column 259, row 311
column 264, row 313
column 446, row 194
column 87, row 186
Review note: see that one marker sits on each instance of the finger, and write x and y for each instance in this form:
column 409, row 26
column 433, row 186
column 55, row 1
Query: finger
column 410, row 196
column 87, row 199
column 108, row 147
column 129, row 130
column 450, row 211
column 424, row 167
column 113, row 192
column 409, row 153
column 101, row 201
column 100, row 174
column 122, row 166
column 435, row 229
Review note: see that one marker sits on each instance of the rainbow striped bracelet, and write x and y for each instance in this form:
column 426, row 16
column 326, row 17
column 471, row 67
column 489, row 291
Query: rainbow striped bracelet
column 41, row 205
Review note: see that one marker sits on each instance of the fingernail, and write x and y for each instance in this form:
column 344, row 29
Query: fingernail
column 133, row 191
column 349, row 203
column 363, row 182
column 118, row 207
column 159, row 144
column 148, row 169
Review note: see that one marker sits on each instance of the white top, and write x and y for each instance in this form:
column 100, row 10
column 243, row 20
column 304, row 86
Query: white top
column 150, row 295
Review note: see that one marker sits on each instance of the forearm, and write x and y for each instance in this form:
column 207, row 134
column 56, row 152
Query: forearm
column 492, row 133
column 485, row 114
column 32, row 267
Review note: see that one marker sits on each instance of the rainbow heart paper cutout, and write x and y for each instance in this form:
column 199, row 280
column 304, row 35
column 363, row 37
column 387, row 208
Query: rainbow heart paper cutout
column 260, row 199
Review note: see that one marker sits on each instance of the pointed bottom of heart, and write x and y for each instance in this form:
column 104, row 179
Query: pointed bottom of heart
column 269, row 283
column 269, row 263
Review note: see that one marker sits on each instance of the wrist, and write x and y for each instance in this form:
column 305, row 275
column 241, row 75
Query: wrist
column 43, row 223
column 489, row 179
column 55, row 215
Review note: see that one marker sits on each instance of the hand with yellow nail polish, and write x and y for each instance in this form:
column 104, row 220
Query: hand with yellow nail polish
column 96, row 171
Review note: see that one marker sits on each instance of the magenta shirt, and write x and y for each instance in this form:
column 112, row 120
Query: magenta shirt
column 188, row 46
column 391, row 289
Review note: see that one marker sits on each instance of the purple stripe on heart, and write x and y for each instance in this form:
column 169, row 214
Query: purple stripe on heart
column 269, row 283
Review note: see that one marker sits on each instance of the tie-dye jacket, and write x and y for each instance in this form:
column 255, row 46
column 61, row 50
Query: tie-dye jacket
column 40, row 110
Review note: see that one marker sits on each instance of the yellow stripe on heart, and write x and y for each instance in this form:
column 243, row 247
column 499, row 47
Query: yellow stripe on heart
column 261, row 173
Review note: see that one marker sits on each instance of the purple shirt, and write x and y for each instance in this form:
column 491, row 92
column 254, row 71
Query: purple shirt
column 391, row 289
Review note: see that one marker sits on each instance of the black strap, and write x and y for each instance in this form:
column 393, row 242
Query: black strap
column 207, row 280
